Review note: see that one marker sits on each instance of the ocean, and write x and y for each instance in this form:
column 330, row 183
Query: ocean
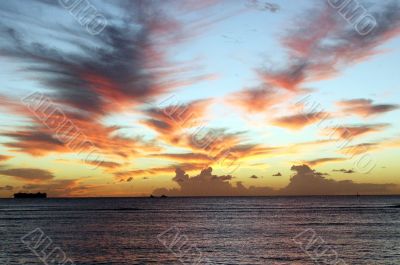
column 216, row 230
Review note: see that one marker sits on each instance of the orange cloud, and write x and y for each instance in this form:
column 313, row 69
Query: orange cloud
column 299, row 121
column 5, row 158
column 105, row 164
column 172, row 121
column 185, row 157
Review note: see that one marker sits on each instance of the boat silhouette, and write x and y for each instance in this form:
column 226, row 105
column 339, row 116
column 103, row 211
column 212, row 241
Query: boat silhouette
column 22, row 195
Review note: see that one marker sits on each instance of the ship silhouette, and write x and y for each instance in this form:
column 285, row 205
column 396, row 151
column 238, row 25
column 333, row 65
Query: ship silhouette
column 22, row 195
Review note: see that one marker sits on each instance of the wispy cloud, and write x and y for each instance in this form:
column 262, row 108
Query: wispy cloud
column 299, row 121
column 321, row 44
column 319, row 161
column 354, row 131
column 365, row 107
column 346, row 171
column 260, row 99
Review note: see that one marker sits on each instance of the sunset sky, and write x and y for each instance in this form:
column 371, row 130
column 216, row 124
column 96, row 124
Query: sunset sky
column 189, row 97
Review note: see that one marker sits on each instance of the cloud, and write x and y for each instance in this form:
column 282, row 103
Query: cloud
column 321, row 44
column 362, row 148
column 349, row 132
column 5, row 158
column 263, row 6
column 365, row 107
column 59, row 188
column 225, row 157
column 359, row 148
column 6, row 188
column 34, row 141
column 28, row 174
column 207, row 184
column 171, row 122
column 185, row 157
column 319, row 161
column 86, row 136
column 89, row 77
column 277, row 174
column 213, row 141
column 308, row 182
column 346, row 171
column 125, row 175
column 299, row 121
column 227, row 148
column 260, row 99
column 105, row 164
column 129, row 63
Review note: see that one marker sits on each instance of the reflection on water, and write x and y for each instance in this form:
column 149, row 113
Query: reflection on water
column 363, row 230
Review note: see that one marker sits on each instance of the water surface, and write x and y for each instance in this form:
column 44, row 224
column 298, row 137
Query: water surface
column 255, row 230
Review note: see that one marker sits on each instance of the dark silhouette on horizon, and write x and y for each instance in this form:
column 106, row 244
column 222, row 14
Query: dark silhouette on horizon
column 22, row 195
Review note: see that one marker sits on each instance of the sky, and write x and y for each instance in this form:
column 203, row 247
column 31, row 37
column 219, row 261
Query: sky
column 199, row 98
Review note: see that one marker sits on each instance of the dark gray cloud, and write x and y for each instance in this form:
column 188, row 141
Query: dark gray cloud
column 306, row 181
column 365, row 107
column 346, row 171
column 32, row 174
column 319, row 161
column 309, row 182
column 207, row 184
